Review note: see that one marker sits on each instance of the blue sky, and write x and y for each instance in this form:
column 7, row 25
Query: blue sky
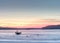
column 30, row 9
column 34, row 8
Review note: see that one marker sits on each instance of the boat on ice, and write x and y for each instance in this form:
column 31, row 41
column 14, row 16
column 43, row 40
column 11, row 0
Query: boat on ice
column 18, row 33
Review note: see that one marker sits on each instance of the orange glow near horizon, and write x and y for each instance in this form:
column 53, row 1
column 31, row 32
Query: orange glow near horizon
column 26, row 23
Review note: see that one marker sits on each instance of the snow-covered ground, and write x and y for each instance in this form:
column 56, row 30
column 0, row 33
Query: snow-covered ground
column 30, row 36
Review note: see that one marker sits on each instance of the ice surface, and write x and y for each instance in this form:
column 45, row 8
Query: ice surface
column 30, row 36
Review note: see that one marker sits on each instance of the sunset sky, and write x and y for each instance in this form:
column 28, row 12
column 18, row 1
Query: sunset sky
column 29, row 13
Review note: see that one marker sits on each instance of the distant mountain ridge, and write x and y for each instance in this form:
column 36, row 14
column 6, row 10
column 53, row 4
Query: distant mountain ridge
column 51, row 27
column 46, row 27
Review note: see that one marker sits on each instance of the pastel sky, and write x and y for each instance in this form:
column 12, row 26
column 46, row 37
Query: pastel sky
column 29, row 13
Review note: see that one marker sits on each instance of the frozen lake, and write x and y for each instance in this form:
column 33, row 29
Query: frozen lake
column 30, row 36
